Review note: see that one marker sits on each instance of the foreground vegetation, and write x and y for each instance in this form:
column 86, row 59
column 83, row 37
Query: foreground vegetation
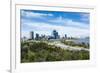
column 41, row 52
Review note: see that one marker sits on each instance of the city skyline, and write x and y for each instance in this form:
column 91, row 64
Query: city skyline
column 75, row 24
column 54, row 35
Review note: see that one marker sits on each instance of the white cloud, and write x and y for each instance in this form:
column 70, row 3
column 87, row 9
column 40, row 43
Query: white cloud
column 84, row 17
column 44, row 28
column 69, row 27
column 33, row 14
column 77, row 24
column 69, row 22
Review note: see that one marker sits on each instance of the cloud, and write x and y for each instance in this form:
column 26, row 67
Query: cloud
column 44, row 28
column 69, row 22
column 34, row 14
column 77, row 24
column 85, row 17
column 62, row 25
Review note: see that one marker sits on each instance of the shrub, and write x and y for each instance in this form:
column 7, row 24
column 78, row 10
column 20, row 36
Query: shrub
column 40, row 52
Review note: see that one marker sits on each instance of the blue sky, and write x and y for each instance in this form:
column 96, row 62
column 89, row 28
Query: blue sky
column 74, row 24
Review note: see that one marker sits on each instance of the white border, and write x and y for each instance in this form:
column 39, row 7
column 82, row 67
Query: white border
column 17, row 66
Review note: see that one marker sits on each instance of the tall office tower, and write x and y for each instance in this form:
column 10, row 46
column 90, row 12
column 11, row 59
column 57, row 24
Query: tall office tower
column 37, row 36
column 65, row 36
column 55, row 34
column 32, row 35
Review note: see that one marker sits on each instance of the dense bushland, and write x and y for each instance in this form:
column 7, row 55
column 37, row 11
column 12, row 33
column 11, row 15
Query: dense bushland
column 41, row 52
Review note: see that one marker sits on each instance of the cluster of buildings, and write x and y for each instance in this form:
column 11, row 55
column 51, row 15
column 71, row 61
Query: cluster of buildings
column 55, row 35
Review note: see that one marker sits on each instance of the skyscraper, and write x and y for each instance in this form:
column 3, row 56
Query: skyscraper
column 32, row 35
column 55, row 34
column 37, row 36
column 65, row 36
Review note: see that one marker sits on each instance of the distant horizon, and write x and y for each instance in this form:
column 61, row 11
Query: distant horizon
column 74, row 24
column 51, row 35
